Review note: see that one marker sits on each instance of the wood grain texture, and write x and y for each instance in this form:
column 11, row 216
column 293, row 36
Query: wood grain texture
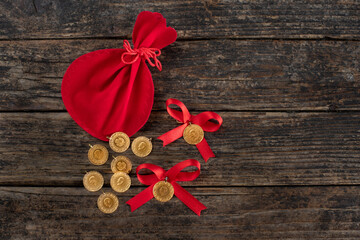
column 192, row 19
column 215, row 75
column 284, row 75
column 236, row 213
column 252, row 149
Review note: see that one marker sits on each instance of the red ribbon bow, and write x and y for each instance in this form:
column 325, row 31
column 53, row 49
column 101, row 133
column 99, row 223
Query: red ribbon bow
column 173, row 175
column 185, row 117
column 147, row 53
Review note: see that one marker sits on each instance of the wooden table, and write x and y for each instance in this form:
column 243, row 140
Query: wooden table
column 283, row 75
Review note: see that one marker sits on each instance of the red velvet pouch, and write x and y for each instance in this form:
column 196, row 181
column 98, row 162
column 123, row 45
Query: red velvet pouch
column 112, row 90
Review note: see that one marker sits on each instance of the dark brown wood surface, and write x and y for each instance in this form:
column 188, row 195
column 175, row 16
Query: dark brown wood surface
column 256, row 75
column 284, row 75
column 252, row 149
column 233, row 213
column 39, row 19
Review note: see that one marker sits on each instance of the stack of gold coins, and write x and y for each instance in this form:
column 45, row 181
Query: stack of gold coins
column 121, row 167
column 93, row 181
column 120, row 180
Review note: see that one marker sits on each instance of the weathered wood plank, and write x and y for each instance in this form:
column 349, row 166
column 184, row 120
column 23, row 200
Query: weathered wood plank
column 216, row 75
column 252, row 149
column 192, row 19
column 236, row 213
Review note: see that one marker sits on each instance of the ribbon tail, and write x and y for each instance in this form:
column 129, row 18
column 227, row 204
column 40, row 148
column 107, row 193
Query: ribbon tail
column 189, row 200
column 205, row 150
column 141, row 198
column 172, row 135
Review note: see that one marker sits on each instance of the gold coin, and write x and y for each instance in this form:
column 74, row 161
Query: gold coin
column 120, row 182
column 163, row 191
column 93, row 181
column 121, row 164
column 193, row 134
column 141, row 146
column 108, row 202
column 98, row 154
column 119, row 142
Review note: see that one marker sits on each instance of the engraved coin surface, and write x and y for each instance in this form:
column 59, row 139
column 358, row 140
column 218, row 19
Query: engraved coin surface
column 141, row 146
column 108, row 202
column 163, row 191
column 119, row 142
column 93, row 181
column 98, row 154
column 120, row 182
column 121, row 164
column 193, row 134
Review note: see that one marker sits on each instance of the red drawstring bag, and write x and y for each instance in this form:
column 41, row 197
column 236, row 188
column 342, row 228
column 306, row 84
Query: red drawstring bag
column 112, row 90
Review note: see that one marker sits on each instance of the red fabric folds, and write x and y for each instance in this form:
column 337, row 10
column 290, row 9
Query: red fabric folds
column 186, row 118
column 112, row 90
column 173, row 175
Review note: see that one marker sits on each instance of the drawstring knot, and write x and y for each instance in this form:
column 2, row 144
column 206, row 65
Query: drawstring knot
column 147, row 53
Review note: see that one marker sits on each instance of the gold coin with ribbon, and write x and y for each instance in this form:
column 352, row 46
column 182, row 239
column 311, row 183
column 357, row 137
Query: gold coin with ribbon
column 93, row 181
column 121, row 164
column 120, row 182
column 141, row 146
column 163, row 191
column 119, row 142
column 98, row 154
column 193, row 134
column 108, row 202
